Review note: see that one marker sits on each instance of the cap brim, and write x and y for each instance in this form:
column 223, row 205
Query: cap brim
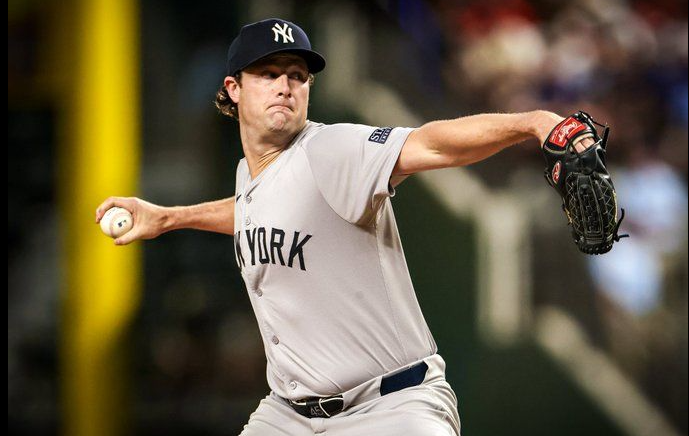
column 314, row 61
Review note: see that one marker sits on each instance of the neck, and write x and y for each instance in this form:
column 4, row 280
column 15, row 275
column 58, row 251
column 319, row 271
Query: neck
column 261, row 149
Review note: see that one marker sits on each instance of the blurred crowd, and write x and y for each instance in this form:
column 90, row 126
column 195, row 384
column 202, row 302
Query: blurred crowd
column 626, row 63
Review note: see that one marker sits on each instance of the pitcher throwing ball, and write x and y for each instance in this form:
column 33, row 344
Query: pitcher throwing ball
column 348, row 350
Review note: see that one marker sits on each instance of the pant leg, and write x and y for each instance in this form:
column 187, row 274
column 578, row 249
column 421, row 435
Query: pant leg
column 429, row 409
column 274, row 418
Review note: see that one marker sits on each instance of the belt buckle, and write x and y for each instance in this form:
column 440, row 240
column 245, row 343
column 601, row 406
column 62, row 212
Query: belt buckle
column 317, row 408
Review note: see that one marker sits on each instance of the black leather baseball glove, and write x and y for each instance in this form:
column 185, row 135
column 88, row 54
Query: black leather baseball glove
column 583, row 182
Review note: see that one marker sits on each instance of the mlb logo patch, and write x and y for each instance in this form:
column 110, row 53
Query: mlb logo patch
column 380, row 135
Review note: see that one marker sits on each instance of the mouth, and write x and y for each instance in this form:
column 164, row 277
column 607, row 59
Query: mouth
column 280, row 107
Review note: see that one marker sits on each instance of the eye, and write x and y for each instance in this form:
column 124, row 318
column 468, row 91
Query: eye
column 298, row 76
column 269, row 75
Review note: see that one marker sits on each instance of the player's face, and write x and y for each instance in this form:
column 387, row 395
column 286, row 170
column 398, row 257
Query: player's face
column 275, row 94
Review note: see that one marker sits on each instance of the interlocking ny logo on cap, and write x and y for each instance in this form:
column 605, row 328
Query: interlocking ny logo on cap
column 285, row 31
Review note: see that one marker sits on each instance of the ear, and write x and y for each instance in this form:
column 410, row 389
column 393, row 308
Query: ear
column 233, row 88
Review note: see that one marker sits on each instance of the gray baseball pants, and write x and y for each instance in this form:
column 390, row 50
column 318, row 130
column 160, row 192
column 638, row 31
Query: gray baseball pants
column 429, row 409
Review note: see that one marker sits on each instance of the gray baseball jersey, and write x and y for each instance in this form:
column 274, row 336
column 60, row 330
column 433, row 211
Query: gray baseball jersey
column 318, row 248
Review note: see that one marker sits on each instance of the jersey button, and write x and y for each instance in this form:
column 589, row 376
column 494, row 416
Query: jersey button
column 259, row 292
column 248, row 198
column 247, row 221
column 275, row 340
column 293, row 385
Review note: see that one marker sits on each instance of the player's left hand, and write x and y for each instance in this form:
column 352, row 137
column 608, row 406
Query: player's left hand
column 579, row 174
column 545, row 123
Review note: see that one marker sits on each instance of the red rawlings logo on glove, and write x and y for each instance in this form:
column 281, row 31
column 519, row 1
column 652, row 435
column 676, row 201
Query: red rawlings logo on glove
column 565, row 130
column 556, row 171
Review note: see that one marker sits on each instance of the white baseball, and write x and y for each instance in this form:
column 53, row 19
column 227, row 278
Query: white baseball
column 116, row 222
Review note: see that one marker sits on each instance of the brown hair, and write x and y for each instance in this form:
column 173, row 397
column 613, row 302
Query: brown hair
column 228, row 107
column 223, row 101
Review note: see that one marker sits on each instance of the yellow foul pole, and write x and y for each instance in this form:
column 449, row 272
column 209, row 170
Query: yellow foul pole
column 99, row 157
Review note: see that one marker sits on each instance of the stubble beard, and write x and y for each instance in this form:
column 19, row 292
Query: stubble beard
column 281, row 124
column 278, row 122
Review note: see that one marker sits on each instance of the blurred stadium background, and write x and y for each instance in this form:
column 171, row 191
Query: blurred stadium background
column 111, row 97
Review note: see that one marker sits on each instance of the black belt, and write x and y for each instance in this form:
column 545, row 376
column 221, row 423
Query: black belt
column 325, row 407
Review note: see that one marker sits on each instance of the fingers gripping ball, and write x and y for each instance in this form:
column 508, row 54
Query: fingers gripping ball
column 116, row 222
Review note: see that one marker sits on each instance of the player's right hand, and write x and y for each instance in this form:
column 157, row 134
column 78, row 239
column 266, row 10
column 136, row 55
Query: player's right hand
column 149, row 219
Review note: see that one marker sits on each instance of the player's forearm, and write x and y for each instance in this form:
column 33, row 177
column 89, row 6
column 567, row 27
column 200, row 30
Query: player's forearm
column 214, row 216
column 471, row 139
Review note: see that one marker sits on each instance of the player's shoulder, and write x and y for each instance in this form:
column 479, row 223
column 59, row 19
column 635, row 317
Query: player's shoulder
column 344, row 129
column 337, row 133
column 242, row 166
column 242, row 172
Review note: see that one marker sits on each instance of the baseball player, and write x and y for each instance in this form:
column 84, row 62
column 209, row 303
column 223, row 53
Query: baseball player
column 348, row 350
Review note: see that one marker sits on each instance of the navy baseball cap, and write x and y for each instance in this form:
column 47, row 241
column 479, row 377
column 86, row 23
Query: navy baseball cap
column 258, row 40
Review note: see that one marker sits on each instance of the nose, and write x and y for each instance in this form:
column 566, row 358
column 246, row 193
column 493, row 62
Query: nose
column 282, row 86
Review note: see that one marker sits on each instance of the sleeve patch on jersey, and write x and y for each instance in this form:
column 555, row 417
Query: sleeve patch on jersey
column 380, row 135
